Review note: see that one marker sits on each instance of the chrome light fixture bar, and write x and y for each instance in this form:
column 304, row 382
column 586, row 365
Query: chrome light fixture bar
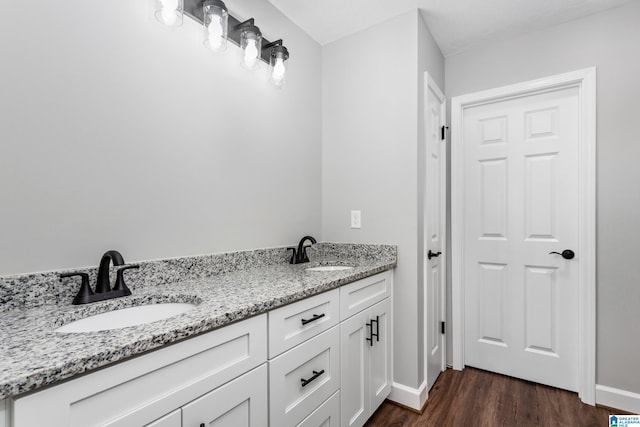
column 244, row 34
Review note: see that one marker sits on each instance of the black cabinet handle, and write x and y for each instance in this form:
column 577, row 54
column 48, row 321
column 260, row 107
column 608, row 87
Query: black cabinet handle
column 566, row 254
column 377, row 334
column 371, row 333
column 433, row 254
column 316, row 374
column 313, row 319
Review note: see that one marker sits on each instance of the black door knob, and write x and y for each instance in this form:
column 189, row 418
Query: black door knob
column 566, row 254
column 433, row 255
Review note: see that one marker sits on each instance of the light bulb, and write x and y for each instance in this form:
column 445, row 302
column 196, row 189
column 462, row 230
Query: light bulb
column 250, row 53
column 278, row 70
column 169, row 11
column 215, row 32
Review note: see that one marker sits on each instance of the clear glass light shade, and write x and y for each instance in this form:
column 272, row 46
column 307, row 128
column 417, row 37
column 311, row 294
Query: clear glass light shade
column 216, row 21
column 251, row 46
column 170, row 12
column 278, row 65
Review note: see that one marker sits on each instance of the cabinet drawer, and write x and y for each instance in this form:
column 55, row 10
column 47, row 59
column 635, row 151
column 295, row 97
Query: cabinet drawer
column 239, row 403
column 359, row 295
column 327, row 415
column 292, row 324
column 316, row 361
column 140, row 390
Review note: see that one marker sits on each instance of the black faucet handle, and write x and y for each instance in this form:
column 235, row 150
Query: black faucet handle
column 293, row 255
column 85, row 276
column 120, row 285
column 84, row 294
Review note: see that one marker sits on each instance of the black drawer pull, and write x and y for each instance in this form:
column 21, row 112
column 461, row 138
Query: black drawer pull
column 377, row 334
column 371, row 333
column 316, row 374
column 313, row 319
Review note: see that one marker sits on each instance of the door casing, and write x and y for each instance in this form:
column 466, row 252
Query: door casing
column 585, row 81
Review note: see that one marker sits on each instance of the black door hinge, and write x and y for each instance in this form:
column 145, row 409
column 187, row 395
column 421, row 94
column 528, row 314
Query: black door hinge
column 444, row 129
column 442, row 328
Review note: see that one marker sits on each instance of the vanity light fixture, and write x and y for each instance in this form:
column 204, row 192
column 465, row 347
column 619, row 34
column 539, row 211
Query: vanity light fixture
column 278, row 55
column 216, row 21
column 220, row 26
column 250, row 43
column 169, row 12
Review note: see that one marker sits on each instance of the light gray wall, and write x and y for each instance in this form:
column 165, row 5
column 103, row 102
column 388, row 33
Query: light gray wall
column 370, row 158
column 118, row 133
column 430, row 59
column 610, row 41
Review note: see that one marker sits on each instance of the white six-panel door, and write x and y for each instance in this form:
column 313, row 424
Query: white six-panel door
column 521, row 203
column 435, row 229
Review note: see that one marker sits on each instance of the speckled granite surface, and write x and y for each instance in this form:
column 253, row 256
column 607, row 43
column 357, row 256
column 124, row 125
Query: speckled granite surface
column 32, row 290
column 226, row 287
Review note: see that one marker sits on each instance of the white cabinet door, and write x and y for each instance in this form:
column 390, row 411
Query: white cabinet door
column 380, row 353
column 365, row 341
column 354, row 359
column 239, row 403
column 4, row 413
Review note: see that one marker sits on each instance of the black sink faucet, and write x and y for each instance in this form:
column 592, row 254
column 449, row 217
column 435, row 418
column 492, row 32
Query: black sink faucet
column 103, row 287
column 300, row 256
column 109, row 257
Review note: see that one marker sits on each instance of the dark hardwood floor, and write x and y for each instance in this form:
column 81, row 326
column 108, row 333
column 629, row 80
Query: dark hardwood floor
column 478, row 398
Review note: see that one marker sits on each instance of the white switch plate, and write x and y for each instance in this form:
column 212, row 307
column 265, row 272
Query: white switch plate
column 356, row 219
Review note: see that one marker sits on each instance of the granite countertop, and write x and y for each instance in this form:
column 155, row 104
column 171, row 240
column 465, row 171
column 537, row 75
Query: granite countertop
column 34, row 356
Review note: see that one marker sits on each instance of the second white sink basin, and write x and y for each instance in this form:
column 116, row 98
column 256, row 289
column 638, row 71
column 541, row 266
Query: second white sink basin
column 126, row 317
column 329, row 268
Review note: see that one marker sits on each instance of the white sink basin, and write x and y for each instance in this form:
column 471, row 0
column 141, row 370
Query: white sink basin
column 125, row 317
column 330, row 268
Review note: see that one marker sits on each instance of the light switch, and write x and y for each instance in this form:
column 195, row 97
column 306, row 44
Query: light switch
column 356, row 219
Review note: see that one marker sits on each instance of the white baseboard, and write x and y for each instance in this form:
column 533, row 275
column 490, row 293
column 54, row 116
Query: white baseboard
column 408, row 396
column 618, row 399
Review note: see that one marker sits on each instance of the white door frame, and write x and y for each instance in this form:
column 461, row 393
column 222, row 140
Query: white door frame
column 585, row 81
column 429, row 83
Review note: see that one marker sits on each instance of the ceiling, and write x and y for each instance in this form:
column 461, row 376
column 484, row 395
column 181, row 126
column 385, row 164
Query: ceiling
column 455, row 24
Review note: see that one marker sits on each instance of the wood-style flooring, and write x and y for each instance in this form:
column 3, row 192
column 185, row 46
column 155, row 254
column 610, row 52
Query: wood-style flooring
column 479, row 398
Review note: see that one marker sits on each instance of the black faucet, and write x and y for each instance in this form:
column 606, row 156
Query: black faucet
column 103, row 287
column 301, row 255
column 109, row 257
